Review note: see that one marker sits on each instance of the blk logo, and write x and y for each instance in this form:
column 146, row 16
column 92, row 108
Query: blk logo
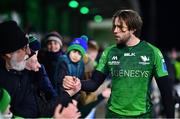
column 129, row 54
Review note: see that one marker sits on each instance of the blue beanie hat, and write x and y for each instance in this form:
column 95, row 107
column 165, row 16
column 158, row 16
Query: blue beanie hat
column 34, row 44
column 79, row 44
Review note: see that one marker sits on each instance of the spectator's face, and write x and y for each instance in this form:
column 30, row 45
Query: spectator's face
column 92, row 54
column 32, row 63
column 18, row 58
column 75, row 56
column 53, row 46
column 121, row 32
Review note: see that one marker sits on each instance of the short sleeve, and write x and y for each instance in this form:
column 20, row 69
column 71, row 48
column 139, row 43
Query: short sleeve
column 160, row 68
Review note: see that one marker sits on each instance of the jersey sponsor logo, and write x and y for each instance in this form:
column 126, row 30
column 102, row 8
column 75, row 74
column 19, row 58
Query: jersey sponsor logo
column 129, row 54
column 114, row 58
column 114, row 61
column 144, row 60
column 130, row 73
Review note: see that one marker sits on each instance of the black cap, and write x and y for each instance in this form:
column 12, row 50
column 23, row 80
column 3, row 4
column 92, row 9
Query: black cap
column 12, row 37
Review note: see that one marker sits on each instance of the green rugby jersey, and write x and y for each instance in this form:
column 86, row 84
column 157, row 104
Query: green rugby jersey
column 132, row 69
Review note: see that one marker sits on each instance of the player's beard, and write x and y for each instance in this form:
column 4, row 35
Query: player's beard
column 17, row 65
column 123, row 39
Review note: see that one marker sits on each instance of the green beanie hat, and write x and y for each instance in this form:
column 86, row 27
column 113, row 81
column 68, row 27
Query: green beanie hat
column 5, row 100
column 79, row 44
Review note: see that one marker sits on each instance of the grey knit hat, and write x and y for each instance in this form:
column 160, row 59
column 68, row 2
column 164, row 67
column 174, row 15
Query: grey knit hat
column 54, row 36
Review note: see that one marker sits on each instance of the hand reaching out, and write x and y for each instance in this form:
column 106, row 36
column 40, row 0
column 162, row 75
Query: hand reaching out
column 72, row 85
column 68, row 82
column 106, row 92
column 69, row 112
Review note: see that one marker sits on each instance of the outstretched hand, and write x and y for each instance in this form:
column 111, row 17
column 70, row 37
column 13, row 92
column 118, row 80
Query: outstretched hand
column 69, row 112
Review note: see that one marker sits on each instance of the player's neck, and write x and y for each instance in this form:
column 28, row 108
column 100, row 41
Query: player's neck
column 133, row 41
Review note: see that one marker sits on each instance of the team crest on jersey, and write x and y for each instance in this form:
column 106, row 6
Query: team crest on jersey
column 144, row 60
column 114, row 61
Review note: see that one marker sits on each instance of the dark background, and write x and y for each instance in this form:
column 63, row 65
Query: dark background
column 161, row 17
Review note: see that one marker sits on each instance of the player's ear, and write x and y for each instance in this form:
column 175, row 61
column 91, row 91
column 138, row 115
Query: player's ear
column 132, row 31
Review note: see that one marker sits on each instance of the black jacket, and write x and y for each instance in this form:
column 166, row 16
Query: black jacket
column 19, row 85
column 49, row 60
column 23, row 102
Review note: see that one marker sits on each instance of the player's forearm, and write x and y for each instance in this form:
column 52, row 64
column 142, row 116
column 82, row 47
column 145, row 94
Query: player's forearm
column 165, row 86
column 92, row 84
